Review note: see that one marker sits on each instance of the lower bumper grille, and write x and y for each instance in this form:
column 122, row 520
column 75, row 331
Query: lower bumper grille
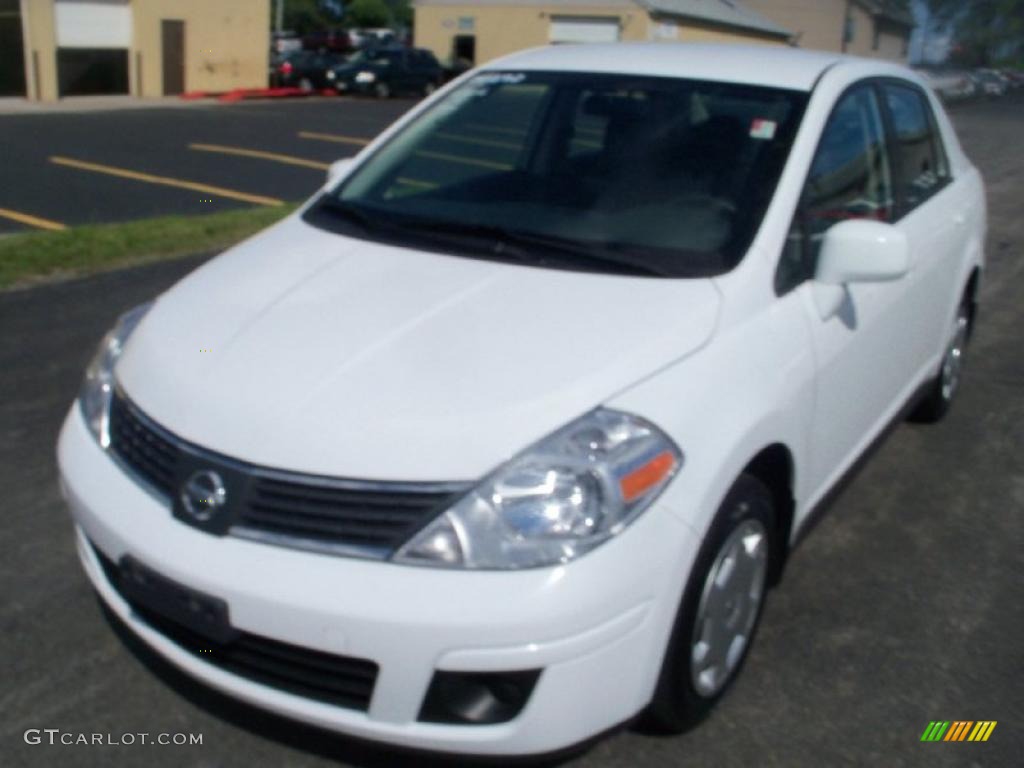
column 339, row 680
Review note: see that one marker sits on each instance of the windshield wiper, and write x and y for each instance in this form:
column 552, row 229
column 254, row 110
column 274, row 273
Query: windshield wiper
column 603, row 256
column 494, row 241
column 352, row 213
column 502, row 242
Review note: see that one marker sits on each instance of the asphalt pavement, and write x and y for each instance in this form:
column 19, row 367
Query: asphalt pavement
column 57, row 167
column 905, row 604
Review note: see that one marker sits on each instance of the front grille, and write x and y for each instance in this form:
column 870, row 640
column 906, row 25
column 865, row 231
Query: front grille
column 339, row 680
column 379, row 520
column 145, row 450
column 285, row 508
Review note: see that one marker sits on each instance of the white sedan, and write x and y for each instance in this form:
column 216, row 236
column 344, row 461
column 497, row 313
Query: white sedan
column 500, row 440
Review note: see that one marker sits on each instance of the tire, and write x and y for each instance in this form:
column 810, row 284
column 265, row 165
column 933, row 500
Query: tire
column 306, row 85
column 943, row 388
column 690, row 683
column 429, row 88
column 382, row 91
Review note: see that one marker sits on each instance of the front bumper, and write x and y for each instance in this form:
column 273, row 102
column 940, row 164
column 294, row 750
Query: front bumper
column 351, row 86
column 596, row 627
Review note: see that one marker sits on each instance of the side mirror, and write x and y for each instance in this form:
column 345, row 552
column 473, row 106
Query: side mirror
column 862, row 251
column 338, row 170
column 857, row 251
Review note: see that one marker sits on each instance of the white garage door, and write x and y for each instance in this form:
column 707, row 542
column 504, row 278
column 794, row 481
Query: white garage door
column 576, row 29
column 93, row 23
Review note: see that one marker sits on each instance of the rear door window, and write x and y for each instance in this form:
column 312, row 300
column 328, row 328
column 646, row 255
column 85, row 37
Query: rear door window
column 921, row 165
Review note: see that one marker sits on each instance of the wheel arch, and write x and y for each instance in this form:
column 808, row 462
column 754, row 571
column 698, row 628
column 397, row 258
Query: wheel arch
column 774, row 466
column 971, row 296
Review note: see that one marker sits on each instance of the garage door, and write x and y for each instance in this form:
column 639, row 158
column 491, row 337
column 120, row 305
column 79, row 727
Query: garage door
column 93, row 39
column 577, row 29
column 12, row 54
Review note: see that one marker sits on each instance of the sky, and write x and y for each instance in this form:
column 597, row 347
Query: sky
column 931, row 46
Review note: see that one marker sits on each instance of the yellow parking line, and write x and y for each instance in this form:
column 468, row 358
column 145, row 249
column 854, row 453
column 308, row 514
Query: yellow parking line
column 274, row 156
column 166, row 181
column 32, row 221
column 497, row 129
column 481, row 142
column 416, row 183
column 334, row 137
column 465, row 160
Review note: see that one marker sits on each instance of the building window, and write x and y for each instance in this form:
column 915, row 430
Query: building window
column 849, row 30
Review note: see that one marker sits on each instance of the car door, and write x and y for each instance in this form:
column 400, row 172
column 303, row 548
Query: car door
column 932, row 212
column 401, row 75
column 862, row 352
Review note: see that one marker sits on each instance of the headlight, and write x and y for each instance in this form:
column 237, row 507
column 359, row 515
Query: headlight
column 366, row 77
column 555, row 501
column 94, row 396
column 330, row 74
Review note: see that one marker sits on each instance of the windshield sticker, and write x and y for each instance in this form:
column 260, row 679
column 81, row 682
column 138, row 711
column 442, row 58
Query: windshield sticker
column 763, row 130
column 500, row 78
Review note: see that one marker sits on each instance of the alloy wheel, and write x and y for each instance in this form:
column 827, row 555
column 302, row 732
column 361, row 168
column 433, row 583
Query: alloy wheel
column 729, row 606
column 952, row 366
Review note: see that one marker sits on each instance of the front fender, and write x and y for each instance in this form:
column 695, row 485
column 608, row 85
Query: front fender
column 751, row 387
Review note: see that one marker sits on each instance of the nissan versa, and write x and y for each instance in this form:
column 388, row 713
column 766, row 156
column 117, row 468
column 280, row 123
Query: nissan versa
column 499, row 441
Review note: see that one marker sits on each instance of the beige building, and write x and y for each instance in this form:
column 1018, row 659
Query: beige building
column 875, row 28
column 55, row 48
column 476, row 31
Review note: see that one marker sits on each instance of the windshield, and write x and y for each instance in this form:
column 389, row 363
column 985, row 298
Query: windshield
column 606, row 172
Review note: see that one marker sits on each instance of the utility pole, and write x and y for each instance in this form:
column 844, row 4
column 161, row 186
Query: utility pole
column 279, row 21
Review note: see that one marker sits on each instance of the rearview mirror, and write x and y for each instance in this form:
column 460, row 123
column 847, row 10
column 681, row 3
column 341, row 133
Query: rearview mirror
column 338, row 170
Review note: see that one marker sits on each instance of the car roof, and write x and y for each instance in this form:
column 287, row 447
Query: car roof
column 767, row 65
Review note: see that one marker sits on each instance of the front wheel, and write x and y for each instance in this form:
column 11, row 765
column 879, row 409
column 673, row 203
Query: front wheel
column 721, row 608
column 941, row 391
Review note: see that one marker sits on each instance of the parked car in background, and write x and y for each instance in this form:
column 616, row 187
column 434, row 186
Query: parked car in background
column 384, row 72
column 373, row 38
column 305, row 69
column 333, row 40
column 285, row 42
column 950, row 85
column 501, row 440
column 992, row 83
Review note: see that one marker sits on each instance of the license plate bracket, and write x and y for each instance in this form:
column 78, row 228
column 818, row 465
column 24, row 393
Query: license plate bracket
column 197, row 611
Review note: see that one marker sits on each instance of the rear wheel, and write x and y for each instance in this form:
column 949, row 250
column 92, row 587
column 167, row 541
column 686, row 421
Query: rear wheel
column 720, row 611
column 306, row 85
column 382, row 91
column 429, row 88
column 943, row 388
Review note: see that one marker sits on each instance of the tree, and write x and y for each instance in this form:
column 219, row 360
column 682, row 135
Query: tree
column 305, row 16
column 984, row 31
column 401, row 10
column 368, row 13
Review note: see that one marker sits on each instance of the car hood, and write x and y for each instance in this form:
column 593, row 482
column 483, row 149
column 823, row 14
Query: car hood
column 306, row 350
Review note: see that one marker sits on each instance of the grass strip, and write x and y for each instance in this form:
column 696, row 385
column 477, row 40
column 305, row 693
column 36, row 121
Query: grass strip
column 30, row 257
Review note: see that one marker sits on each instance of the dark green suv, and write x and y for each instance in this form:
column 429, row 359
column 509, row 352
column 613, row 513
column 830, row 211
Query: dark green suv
column 384, row 72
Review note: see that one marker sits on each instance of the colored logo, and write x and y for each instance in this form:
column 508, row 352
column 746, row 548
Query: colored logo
column 958, row 730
